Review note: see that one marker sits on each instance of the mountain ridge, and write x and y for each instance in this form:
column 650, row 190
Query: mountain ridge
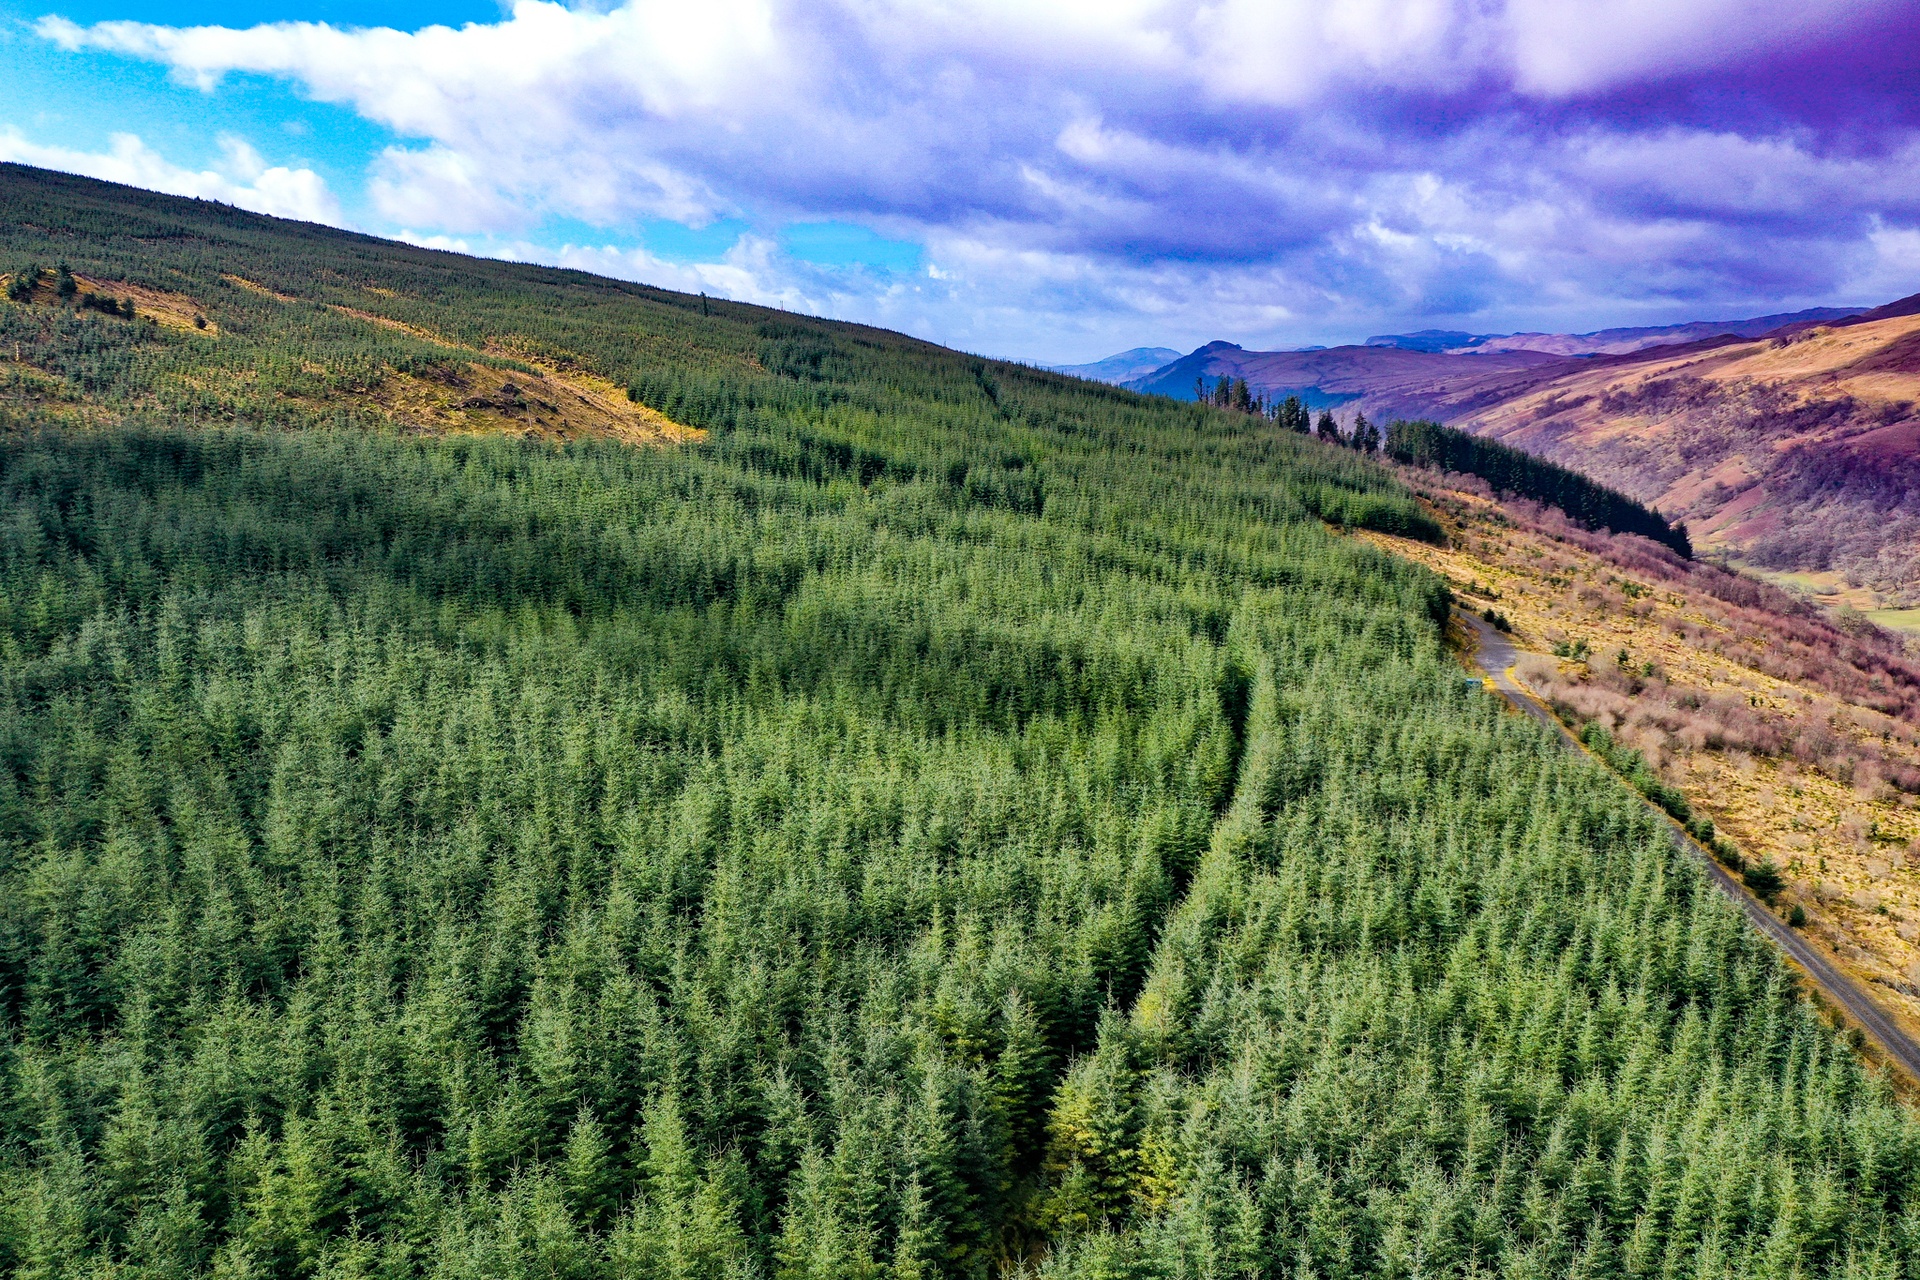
column 1797, row 450
column 1614, row 341
column 1379, row 379
column 1121, row 367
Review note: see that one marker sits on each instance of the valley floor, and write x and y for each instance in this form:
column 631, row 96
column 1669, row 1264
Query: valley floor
column 1831, row 590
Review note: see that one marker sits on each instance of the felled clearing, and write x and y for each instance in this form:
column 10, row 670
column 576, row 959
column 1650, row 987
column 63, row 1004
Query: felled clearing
column 253, row 286
column 398, row 326
column 477, row 397
column 173, row 310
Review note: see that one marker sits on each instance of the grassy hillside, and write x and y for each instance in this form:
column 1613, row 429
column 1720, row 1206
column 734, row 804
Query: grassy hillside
column 947, row 820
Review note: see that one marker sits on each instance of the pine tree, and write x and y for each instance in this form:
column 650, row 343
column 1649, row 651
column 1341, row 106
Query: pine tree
column 917, row 1244
column 1092, row 1156
column 815, row 1242
column 1293, row 416
column 1328, row 430
column 1022, row 1077
column 669, row 1166
column 588, row 1171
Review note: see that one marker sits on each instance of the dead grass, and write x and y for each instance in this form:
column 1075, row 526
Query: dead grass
column 398, row 326
column 476, row 397
column 172, row 310
column 548, row 402
column 1799, row 740
column 254, row 287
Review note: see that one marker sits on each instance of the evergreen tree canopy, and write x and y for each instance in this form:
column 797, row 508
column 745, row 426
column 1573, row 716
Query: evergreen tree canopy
column 1509, row 470
column 951, row 821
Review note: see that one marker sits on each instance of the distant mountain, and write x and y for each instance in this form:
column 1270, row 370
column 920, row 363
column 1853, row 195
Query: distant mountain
column 1381, row 381
column 1602, row 341
column 1428, row 340
column 1121, row 368
column 1796, row 447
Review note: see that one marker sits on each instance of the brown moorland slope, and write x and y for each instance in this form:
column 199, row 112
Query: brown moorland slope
column 505, row 386
column 1797, row 451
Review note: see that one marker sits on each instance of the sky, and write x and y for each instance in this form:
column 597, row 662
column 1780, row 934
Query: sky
column 1048, row 181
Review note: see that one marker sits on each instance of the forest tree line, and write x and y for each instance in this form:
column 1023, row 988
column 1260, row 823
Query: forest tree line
column 1425, row 443
column 1510, row 470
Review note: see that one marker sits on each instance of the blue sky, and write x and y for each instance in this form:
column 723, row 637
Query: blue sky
column 1050, row 181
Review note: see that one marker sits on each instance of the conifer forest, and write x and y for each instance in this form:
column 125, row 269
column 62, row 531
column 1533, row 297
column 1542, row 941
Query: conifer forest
column 946, row 820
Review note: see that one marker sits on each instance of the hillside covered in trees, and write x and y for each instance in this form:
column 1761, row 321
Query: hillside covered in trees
column 917, row 817
column 1508, row 470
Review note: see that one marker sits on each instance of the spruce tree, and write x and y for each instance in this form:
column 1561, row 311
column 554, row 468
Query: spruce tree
column 588, row 1170
column 1293, row 416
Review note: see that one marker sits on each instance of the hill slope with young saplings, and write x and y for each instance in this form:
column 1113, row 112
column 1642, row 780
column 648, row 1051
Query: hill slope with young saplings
column 907, row 815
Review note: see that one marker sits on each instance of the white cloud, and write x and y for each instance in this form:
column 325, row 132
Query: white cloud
column 244, row 179
column 1297, row 167
column 504, row 106
column 1887, row 265
column 1561, row 48
column 660, row 108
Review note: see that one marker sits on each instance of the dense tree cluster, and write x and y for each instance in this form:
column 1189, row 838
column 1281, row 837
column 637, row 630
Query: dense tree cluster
column 1290, row 414
column 1509, row 470
column 956, row 821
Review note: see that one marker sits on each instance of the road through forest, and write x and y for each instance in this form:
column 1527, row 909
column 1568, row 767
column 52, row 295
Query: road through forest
column 1496, row 655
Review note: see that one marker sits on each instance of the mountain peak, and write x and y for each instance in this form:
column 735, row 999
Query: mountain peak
column 1123, row 366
